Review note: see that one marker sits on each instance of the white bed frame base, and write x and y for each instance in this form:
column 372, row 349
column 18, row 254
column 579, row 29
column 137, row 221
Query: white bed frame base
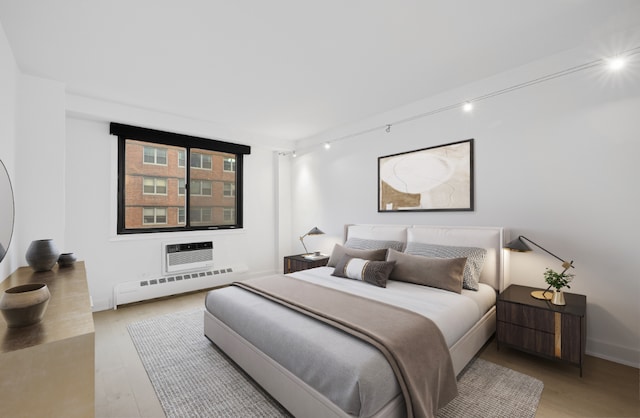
column 300, row 399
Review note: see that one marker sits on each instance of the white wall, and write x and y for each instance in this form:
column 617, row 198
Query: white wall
column 91, row 173
column 32, row 115
column 556, row 162
column 40, row 172
column 8, row 87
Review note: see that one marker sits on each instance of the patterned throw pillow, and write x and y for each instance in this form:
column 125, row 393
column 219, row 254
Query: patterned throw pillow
column 475, row 259
column 373, row 244
column 372, row 272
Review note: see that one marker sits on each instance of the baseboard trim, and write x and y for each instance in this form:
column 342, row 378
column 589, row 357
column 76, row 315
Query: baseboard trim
column 628, row 356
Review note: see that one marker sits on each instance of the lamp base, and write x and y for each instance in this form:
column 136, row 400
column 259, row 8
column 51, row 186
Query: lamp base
column 542, row 294
column 314, row 256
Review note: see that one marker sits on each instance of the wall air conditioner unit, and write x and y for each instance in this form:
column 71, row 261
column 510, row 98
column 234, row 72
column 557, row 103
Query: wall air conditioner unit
column 188, row 256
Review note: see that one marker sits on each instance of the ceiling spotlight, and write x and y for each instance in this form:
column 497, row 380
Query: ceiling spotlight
column 293, row 154
column 616, row 63
column 467, row 107
column 327, row 145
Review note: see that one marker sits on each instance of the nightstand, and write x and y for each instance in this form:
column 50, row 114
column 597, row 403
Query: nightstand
column 540, row 327
column 293, row 263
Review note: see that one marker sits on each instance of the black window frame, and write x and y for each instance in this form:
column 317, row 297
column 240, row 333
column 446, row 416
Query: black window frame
column 156, row 137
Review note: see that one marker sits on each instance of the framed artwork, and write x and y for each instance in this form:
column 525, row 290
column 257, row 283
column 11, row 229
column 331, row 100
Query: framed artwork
column 438, row 178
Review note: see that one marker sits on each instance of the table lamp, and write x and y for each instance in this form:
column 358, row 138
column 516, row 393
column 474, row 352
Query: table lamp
column 314, row 231
column 520, row 245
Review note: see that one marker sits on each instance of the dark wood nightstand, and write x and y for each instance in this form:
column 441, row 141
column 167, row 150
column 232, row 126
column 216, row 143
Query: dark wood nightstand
column 540, row 327
column 293, row 263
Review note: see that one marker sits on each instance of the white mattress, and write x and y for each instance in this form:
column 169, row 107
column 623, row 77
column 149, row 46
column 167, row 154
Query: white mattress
column 453, row 313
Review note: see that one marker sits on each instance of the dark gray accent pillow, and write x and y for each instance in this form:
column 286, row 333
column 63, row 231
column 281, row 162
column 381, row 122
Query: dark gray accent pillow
column 442, row 273
column 475, row 259
column 340, row 251
column 372, row 272
column 373, row 244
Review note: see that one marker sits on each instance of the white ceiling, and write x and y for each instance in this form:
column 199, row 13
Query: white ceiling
column 290, row 69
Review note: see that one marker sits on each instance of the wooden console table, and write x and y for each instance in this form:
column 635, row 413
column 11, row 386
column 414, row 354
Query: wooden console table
column 48, row 369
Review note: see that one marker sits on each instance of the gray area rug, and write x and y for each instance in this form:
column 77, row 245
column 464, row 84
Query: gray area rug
column 192, row 378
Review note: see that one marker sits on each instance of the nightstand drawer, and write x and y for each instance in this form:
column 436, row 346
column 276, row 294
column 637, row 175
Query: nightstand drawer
column 525, row 316
column 526, row 338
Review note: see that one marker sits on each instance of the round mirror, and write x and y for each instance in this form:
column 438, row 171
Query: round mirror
column 6, row 210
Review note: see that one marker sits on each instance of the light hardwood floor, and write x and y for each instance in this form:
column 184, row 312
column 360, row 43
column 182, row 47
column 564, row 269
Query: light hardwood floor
column 123, row 390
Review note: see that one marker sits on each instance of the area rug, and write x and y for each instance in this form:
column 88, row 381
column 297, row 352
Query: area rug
column 192, row 378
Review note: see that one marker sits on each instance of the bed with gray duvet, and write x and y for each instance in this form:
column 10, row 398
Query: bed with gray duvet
column 315, row 367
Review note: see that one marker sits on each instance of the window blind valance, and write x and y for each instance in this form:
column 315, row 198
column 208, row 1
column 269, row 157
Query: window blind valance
column 169, row 138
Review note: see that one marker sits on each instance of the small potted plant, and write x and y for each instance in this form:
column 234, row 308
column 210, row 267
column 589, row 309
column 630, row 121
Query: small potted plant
column 557, row 281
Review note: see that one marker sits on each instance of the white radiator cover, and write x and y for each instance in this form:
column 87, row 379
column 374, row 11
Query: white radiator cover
column 139, row 290
column 186, row 267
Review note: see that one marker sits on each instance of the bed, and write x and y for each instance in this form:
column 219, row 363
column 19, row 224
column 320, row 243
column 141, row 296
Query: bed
column 315, row 370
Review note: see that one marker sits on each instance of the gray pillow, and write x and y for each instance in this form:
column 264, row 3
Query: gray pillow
column 340, row 251
column 372, row 272
column 442, row 273
column 373, row 244
column 475, row 259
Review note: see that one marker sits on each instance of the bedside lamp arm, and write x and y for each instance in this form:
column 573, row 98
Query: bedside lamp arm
column 302, row 241
column 566, row 264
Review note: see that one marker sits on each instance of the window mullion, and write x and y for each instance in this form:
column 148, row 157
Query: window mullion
column 187, row 188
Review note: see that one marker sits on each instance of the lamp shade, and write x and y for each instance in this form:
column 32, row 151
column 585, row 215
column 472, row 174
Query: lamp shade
column 517, row 245
column 315, row 231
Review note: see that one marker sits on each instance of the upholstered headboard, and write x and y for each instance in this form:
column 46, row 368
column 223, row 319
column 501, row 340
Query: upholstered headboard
column 490, row 238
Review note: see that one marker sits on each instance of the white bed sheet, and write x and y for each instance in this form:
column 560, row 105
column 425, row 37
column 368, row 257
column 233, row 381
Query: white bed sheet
column 453, row 313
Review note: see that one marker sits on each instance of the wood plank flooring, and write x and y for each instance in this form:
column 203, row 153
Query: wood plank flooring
column 123, row 390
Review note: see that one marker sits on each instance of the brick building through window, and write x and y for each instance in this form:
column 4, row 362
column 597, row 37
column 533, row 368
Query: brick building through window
column 156, row 181
column 176, row 182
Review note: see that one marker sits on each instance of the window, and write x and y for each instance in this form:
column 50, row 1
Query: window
column 229, row 214
column 153, row 216
column 229, row 164
column 154, row 185
column 181, row 216
column 200, row 161
column 167, row 181
column 201, row 188
column 201, row 215
column 229, row 190
column 153, row 155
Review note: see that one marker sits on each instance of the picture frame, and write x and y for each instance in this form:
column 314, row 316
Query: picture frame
column 438, row 178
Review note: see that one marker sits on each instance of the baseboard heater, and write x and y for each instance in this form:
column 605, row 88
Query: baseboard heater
column 186, row 267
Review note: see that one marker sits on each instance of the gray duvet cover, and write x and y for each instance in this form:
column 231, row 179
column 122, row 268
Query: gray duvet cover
column 351, row 373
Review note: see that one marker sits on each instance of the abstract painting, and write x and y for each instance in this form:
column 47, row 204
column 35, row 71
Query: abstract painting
column 438, row 178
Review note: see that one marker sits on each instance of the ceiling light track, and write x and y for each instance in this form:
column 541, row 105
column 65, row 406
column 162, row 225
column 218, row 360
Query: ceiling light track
column 614, row 63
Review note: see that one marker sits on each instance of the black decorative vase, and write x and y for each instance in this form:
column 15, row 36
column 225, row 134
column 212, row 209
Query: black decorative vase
column 66, row 259
column 42, row 254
